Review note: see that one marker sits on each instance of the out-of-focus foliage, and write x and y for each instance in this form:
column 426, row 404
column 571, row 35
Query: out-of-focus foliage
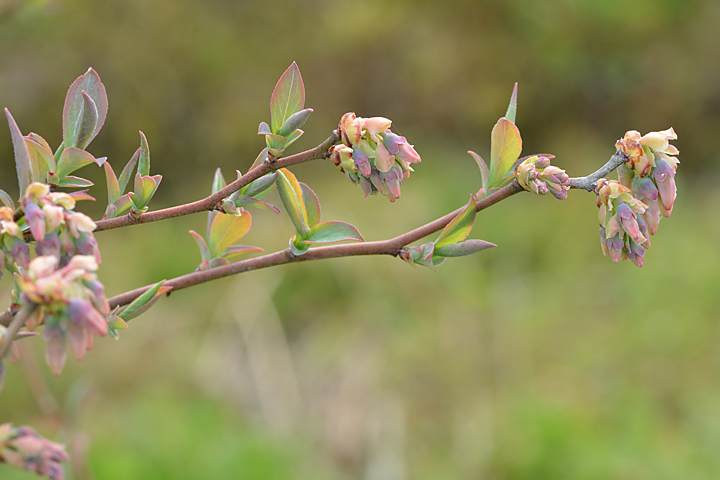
column 536, row 359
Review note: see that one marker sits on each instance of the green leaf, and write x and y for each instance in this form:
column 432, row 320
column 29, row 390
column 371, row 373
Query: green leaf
column 264, row 129
column 112, row 184
column 484, row 172
column 245, row 201
column 261, row 158
column 312, row 205
column 145, row 188
column 72, row 159
column 41, row 158
column 235, row 251
column 204, row 250
column 288, row 97
column 294, row 121
column 118, row 207
column 75, row 105
column 87, row 121
column 292, row 198
column 506, row 145
column 461, row 249
column 260, row 187
column 331, row 232
column 512, row 107
column 127, row 171
column 218, row 182
column 78, row 182
column 226, row 230
column 22, row 157
column 81, row 195
column 6, row 199
column 298, row 247
column 292, row 137
column 459, row 228
column 144, row 301
column 144, row 160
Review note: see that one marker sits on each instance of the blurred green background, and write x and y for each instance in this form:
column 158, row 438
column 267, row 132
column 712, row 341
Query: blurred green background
column 540, row 359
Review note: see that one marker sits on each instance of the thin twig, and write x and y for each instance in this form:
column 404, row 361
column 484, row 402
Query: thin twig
column 15, row 325
column 589, row 183
column 210, row 202
column 390, row 246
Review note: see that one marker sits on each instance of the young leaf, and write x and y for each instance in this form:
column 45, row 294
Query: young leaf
column 512, row 107
column 235, row 251
column 218, row 181
column 292, row 198
column 260, row 187
column 294, row 121
column 145, row 188
column 127, row 171
column 292, row 137
column 459, row 228
column 144, row 301
column 22, row 157
column 204, row 250
column 288, row 97
column 312, row 205
column 43, row 158
column 71, row 181
column 226, row 230
column 505, row 148
column 6, row 199
column 463, row 248
column 72, row 159
column 144, row 160
column 87, row 122
column 261, row 158
column 75, row 104
column 298, row 247
column 331, row 232
column 81, row 195
column 112, row 184
column 245, row 201
column 484, row 172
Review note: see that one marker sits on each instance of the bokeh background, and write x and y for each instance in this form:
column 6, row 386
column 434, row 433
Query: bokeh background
column 540, row 359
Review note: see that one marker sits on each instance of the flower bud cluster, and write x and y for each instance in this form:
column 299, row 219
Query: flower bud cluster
column 623, row 230
column 70, row 301
column 372, row 156
column 24, row 449
column 57, row 230
column 536, row 175
column 649, row 172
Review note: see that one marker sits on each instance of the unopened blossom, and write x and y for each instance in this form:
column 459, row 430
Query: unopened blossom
column 623, row 231
column 70, row 302
column 535, row 174
column 22, row 448
column 650, row 172
column 372, row 156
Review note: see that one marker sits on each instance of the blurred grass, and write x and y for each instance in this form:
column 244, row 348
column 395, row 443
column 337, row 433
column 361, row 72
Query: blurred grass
column 539, row 359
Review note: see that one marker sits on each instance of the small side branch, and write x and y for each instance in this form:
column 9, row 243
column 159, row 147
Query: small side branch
column 15, row 325
column 589, row 183
column 210, row 202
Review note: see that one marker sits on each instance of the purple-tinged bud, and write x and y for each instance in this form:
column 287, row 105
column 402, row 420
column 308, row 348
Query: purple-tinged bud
column 408, row 154
column 50, row 245
column 392, row 142
column 542, row 162
column 76, row 337
column 82, row 313
column 664, row 176
column 603, row 242
column 644, row 188
column 54, row 348
column 362, row 162
column 20, row 252
column 35, row 218
column 87, row 245
column 615, row 247
column 383, row 159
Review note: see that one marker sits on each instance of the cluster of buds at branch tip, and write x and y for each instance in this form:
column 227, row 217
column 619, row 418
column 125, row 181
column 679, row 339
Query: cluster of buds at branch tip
column 70, row 301
column 623, row 230
column 372, row 156
column 22, row 448
column 536, row 175
column 650, row 172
